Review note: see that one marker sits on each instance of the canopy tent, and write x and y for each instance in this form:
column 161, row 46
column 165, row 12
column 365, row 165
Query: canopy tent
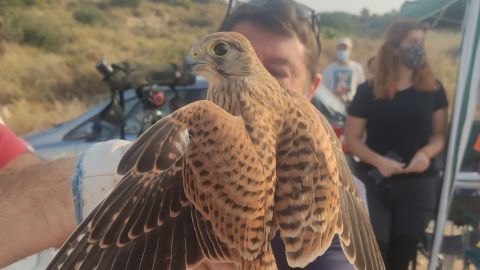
column 445, row 13
column 435, row 13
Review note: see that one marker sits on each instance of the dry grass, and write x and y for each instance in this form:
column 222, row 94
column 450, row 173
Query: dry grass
column 363, row 49
column 422, row 263
column 444, row 53
column 53, row 85
column 443, row 50
column 24, row 116
column 447, row 262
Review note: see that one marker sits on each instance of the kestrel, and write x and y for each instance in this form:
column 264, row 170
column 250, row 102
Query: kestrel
column 218, row 178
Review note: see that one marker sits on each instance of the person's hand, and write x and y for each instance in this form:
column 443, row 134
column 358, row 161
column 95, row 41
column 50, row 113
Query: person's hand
column 419, row 163
column 388, row 167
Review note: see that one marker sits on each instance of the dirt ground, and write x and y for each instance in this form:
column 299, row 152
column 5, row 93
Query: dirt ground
column 422, row 264
column 446, row 262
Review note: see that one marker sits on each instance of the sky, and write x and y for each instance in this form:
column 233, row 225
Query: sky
column 354, row 6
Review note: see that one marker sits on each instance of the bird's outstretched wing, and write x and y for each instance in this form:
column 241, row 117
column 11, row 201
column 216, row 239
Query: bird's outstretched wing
column 316, row 197
column 180, row 199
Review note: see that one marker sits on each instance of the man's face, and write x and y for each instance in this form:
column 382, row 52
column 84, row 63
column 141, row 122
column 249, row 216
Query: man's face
column 343, row 53
column 342, row 47
column 283, row 56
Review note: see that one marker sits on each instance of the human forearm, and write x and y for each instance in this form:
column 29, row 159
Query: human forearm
column 36, row 208
column 439, row 133
column 354, row 134
column 21, row 161
column 435, row 146
column 386, row 166
column 362, row 151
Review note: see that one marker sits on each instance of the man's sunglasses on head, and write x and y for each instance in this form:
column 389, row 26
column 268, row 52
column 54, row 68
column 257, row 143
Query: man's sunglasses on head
column 303, row 12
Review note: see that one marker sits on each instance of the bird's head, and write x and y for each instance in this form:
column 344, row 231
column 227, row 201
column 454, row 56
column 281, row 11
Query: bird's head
column 223, row 55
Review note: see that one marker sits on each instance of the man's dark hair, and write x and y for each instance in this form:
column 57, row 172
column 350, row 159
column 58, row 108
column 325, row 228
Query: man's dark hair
column 279, row 16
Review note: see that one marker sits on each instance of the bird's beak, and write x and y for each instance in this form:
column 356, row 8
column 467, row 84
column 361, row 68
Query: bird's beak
column 194, row 58
column 190, row 62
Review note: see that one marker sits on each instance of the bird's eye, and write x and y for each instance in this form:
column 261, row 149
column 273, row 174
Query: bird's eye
column 220, row 49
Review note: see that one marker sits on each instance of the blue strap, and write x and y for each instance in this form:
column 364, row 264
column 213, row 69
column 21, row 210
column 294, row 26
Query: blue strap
column 76, row 189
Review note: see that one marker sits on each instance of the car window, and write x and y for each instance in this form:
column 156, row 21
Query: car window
column 135, row 119
column 93, row 129
column 83, row 131
column 184, row 97
column 99, row 130
column 131, row 103
column 138, row 115
column 105, row 131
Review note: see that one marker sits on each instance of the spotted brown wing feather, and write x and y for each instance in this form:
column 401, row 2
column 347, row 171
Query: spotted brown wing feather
column 356, row 233
column 315, row 194
column 160, row 215
column 146, row 222
column 227, row 181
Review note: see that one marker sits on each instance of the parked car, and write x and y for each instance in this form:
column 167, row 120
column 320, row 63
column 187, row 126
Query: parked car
column 73, row 137
column 333, row 109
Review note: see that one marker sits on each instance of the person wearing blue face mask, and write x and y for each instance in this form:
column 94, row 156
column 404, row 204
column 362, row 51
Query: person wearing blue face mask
column 343, row 75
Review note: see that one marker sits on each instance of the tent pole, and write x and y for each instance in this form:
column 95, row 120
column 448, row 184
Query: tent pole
column 466, row 84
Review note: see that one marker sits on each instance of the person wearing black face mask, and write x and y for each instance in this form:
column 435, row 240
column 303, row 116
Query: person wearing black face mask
column 413, row 56
column 403, row 110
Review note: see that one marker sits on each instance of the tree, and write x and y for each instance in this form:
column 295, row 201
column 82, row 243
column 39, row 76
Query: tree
column 365, row 13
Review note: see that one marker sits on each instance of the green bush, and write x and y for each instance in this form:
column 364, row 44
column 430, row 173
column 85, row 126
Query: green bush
column 199, row 22
column 130, row 3
column 204, row 1
column 90, row 16
column 181, row 3
column 331, row 33
column 38, row 31
column 4, row 4
column 33, row 2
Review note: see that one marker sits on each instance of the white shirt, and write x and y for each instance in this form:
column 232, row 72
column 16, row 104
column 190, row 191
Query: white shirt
column 343, row 80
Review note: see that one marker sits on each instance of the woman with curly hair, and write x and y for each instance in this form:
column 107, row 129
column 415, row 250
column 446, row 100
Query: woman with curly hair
column 403, row 110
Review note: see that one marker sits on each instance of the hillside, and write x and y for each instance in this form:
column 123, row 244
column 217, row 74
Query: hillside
column 52, row 48
column 47, row 63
